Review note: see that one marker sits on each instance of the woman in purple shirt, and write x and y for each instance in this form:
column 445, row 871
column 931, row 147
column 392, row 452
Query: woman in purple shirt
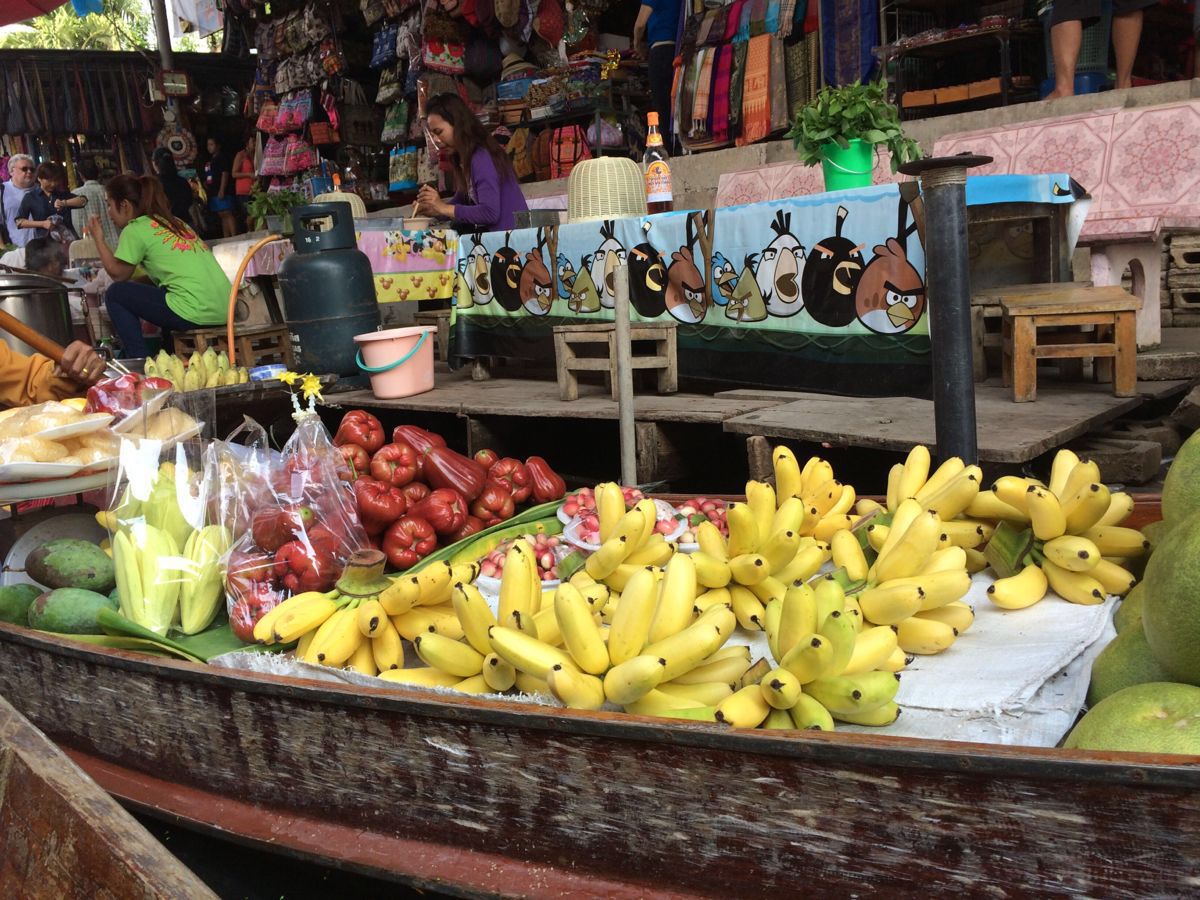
column 486, row 191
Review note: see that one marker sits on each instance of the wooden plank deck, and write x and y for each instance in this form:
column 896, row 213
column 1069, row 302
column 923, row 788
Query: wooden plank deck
column 1008, row 432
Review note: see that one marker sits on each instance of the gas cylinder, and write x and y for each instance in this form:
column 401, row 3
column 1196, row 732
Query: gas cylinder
column 328, row 289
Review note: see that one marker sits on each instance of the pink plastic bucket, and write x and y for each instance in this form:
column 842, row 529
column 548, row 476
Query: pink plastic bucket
column 399, row 360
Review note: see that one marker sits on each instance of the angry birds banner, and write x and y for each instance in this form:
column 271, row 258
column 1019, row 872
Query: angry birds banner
column 843, row 264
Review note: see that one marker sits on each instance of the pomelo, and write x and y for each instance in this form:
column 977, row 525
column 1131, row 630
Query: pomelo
column 1181, row 489
column 1129, row 612
column 1171, row 605
column 1158, row 717
column 1126, row 661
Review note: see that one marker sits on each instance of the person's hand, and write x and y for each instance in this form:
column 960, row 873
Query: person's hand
column 428, row 197
column 94, row 228
column 59, row 204
column 81, row 364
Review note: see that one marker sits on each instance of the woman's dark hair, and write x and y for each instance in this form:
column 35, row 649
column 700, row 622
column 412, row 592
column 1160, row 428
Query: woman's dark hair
column 145, row 195
column 164, row 161
column 52, row 171
column 469, row 136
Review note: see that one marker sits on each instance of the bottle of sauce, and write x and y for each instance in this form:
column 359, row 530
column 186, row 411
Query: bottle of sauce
column 657, row 163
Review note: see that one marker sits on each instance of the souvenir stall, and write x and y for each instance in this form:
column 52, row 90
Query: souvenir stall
column 824, row 292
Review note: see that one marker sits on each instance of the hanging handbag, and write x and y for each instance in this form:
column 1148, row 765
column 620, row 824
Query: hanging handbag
column 389, row 85
column 395, row 123
column 298, row 156
column 568, row 147
column 268, row 117
column 322, row 134
column 273, row 156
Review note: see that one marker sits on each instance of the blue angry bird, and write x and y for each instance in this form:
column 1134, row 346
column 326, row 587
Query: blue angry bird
column 724, row 278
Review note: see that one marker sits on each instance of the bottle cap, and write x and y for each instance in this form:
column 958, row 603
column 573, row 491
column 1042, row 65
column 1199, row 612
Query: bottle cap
column 652, row 119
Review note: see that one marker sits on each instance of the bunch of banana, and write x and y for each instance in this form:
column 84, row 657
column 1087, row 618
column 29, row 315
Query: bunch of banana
column 827, row 504
column 209, row 369
column 203, row 588
column 1064, row 536
column 360, row 623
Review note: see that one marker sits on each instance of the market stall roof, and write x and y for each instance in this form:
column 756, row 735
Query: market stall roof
column 21, row 10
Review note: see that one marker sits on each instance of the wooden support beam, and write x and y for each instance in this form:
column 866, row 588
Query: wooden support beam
column 758, row 456
column 658, row 456
column 481, row 437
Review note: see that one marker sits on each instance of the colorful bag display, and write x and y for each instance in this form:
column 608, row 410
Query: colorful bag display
column 443, row 57
column 273, row 156
column 299, row 155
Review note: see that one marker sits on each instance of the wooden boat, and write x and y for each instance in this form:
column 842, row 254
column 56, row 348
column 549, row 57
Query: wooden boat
column 62, row 836
column 505, row 798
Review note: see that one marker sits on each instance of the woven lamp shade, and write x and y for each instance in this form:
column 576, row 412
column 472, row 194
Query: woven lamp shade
column 608, row 187
column 357, row 208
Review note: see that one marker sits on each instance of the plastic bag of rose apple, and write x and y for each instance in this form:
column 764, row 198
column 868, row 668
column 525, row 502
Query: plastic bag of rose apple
column 302, row 528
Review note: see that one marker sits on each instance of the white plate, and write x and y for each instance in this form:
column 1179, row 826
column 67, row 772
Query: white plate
column 94, row 422
column 58, row 487
column 103, row 465
column 33, row 471
column 665, row 510
column 57, row 523
column 135, row 422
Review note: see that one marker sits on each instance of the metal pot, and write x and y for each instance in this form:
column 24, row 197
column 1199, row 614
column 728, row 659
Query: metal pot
column 39, row 302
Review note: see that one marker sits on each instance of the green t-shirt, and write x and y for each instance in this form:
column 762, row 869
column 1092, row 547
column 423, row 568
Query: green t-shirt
column 196, row 286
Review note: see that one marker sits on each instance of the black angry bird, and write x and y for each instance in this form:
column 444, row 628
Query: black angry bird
column 647, row 279
column 506, row 276
column 831, row 274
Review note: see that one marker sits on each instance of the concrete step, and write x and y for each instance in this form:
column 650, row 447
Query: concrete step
column 1176, row 358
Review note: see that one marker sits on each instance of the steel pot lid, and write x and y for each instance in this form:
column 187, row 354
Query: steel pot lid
column 23, row 282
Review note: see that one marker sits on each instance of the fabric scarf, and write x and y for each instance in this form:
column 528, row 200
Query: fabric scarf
column 787, row 16
column 772, row 20
column 734, row 19
column 720, row 118
column 737, row 78
column 756, row 100
column 716, row 32
column 758, row 17
column 743, row 32
column 706, row 24
column 703, row 92
column 849, row 31
column 779, row 104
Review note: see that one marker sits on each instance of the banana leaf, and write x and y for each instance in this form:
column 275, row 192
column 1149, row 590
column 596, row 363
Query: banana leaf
column 218, row 639
column 456, row 551
column 117, row 625
column 121, row 642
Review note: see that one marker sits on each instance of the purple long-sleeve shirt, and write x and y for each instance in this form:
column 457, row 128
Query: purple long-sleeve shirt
column 492, row 200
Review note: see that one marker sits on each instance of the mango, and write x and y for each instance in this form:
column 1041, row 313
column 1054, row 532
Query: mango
column 15, row 600
column 70, row 563
column 69, row 611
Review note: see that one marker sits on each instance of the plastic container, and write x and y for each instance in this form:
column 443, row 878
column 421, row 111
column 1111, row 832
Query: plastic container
column 847, row 168
column 399, row 360
column 267, row 373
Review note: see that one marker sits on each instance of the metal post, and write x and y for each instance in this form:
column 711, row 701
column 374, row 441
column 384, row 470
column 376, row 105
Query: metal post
column 624, row 376
column 162, row 33
column 948, row 292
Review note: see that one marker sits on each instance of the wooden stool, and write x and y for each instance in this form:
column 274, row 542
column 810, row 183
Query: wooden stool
column 985, row 308
column 257, row 345
column 664, row 358
column 1110, row 310
column 439, row 319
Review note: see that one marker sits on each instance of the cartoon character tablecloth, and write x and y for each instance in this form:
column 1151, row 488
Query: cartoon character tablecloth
column 408, row 265
column 820, row 292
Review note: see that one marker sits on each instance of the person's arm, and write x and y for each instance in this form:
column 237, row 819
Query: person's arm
column 24, row 214
column 485, row 211
column 117, row 269
column 26, row 380
column 224, row 183
column 639, row 29
column 75, row 201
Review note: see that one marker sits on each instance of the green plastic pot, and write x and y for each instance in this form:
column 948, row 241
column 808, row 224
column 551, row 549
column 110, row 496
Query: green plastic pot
column 848, row 167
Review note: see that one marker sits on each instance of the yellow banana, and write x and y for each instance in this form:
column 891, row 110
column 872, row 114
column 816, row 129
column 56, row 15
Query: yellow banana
column 545, row 627
column 1115, row 579
column 872, row 648
column 579, row 631
column 865, row 506
column 726, row 671
column 631, row 680
column 433, row 583
column 953, row 499
column 854, row 611
column 685, row 650
column 427, row 677
column 957, row 615
column 336, row 640
column 303, row 644
column 712, row 597
column 966, row 533
column 531, row 684
column 676, row 598
column 526, row 654
column 767, row 588
column 884, row 714
column 610, row 507
column 797, row 618
column 710, row 571
column 1085, row 473
column 596, row 595
column 659, row 703
column 655, row 551
column 748, row 609
column 948, row 559
column 976, row 561
column 1120, row 506
column 1045, row 514
column 498, row 673
column 828, row 597
column 887, row 605
column 749, row 568
column 451, row 656
column 476, row 684
column 1073, row 552
column 877, row 535
column 445, row 622
column 805, row 564
column 525, row 623
column 780, row 688
column 895, row 473
column 848, row 555
column 789, row 517
column 574, row 689
column 362, row 660
column 518, row 584
column 821, row 501
column 908, row 555
column 897, row 661
column 1060, row 469
column 778, row 550
column 787, row 474
column 371, row 618
column 809, row 715
column 580, row 579
column 839, row 629
column 854, row 694
column 831, row 524
column 711, row 541
column 649, row 519
column 414, row 622
column 843, row 504
column 401, row 596
column 816, row 472
column 1077, row 587
column 924, row 637
column 604, row 562
column 621, row 575
column 915, row 473
column 743, row 529
column 987, row 505
column 387, row 648
column 1019, row 591
column 1115, row 540
column 1087, row 507
column 709, row 693
column 297, row 619
column 942, row 476
column 1012, row 490
column 760, row 497
column 746, row 708
column 810, row 658
column 771, row 619
column 631, row 622
column 902, row 518
column 632, row 527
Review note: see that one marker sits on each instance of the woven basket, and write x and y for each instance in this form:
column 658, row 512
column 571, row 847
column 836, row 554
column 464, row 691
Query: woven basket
column 357, row 208
column 608, row 187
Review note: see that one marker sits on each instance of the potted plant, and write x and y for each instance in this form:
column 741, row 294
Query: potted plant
column 269, row 209
column 840, row 127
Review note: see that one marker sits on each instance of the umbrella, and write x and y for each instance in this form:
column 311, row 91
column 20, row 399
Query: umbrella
column 21, row 10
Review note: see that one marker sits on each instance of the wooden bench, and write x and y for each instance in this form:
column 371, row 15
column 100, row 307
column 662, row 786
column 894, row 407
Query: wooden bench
column 568, row 364
column 256, row 345
column 986, row 310
column 439, row 319
column 1110, row 311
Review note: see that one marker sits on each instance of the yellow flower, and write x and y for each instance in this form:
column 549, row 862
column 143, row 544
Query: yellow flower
column 289, row 378
column 310, row 386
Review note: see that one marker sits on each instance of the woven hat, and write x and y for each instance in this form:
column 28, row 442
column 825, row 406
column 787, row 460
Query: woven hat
column 508, row 12
column 515, row 67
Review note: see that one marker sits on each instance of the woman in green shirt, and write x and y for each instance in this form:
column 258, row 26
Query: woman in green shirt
column 190, row 290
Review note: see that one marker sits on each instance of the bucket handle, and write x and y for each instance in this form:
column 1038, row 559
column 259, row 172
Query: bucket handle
column 376, row 370
column 842, row 168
